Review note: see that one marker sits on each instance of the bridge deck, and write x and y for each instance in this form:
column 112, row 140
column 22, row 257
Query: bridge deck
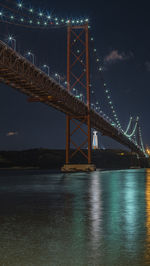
column 25, row 77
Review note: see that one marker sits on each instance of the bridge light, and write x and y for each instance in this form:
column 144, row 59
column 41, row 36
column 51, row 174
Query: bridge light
column 32, row 55
column 31, row 10
column 49, row 17
column 47, row 67
column 22, row 19
column 12, row 39
column 20, row 5
column 57, row 76
column 12, row 17
column 1, row 13
column 40, row 14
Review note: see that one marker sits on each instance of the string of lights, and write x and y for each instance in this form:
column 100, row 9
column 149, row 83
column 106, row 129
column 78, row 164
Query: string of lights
column 128, row 126
column 108, row 96
column 25, row 16
column 107, row 91
column 134, row 129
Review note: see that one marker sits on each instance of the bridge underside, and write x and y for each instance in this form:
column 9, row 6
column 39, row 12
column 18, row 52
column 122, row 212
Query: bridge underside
column 22, row 75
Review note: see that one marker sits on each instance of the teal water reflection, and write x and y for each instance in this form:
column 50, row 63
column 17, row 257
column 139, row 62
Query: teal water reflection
column 100, row 218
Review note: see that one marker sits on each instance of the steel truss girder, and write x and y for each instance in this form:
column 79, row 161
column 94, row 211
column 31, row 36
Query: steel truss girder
column 30, row 80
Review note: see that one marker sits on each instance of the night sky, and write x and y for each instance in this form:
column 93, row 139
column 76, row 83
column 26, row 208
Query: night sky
column 122, row 39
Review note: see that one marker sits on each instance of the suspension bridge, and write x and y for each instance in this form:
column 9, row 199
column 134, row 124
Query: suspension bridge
column 23, row 75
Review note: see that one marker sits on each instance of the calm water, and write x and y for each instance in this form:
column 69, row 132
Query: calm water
column 100, row 218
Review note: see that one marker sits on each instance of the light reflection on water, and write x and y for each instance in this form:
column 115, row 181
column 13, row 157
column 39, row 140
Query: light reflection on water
column 99, row 218
column 95, row 210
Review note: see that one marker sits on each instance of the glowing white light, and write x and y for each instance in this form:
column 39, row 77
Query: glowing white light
column 20, row 4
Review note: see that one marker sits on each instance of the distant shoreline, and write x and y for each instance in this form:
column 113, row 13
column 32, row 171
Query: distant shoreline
column 46, row 159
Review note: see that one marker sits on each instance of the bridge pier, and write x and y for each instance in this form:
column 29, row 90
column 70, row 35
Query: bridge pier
column 78, row 76
column 78, row 168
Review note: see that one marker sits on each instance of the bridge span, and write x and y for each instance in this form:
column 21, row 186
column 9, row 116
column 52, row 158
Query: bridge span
column 19, row 73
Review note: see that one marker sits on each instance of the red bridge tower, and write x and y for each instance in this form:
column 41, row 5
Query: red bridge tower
column 78, row 79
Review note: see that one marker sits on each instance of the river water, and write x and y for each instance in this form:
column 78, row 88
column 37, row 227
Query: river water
column 99, row 218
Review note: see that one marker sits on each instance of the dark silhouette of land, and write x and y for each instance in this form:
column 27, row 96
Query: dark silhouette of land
column 55, row 159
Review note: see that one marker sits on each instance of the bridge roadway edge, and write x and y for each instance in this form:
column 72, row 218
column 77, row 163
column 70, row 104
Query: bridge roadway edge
column 19, row 73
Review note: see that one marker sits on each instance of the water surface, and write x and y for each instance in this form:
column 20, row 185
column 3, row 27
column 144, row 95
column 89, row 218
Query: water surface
column 99, row 218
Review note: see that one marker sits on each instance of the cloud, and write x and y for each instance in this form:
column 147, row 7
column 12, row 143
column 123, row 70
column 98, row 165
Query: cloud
column 11, row 133
column 147, row 64
column 115, row 56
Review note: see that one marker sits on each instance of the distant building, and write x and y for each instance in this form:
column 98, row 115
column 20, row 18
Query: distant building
column 95, row 140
